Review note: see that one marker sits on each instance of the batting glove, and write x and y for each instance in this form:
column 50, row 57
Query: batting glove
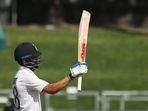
column 78, row 69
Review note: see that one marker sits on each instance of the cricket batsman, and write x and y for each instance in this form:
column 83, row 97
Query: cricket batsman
column 27, row 86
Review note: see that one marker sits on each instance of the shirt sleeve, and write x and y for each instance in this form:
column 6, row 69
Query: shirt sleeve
column 34, row 83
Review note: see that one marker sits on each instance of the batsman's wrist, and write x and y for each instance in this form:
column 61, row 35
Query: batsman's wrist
column 70, row 76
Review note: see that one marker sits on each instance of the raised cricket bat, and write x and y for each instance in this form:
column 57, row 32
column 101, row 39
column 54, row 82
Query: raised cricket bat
column 82, row 41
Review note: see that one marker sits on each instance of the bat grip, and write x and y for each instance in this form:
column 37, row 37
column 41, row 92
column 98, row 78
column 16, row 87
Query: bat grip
column 79, row 87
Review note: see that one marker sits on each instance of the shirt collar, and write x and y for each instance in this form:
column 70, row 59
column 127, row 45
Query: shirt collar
column 23, row 67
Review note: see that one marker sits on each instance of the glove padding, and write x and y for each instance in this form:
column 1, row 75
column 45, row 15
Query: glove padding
column 78, row 69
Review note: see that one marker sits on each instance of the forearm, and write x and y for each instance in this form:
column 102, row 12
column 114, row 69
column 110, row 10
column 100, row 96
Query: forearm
column 57, row 86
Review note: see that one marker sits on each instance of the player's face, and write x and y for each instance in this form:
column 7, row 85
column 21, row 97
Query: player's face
column 37, row 61
column 33, row 62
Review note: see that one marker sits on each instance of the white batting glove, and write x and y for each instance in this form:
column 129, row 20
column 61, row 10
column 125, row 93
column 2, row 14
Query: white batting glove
column 78, row 69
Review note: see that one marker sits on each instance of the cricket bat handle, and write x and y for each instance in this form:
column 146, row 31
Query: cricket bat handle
column 79, row 87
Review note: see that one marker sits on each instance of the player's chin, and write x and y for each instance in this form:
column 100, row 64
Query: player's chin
column 36, row 67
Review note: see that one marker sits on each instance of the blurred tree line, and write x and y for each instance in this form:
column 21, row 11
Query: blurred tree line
column 104, row 12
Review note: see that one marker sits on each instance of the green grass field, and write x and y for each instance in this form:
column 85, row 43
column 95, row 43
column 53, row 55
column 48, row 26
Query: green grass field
column 116, row 60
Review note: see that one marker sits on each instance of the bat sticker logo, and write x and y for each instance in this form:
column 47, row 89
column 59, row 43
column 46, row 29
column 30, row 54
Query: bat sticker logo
column 83, row 51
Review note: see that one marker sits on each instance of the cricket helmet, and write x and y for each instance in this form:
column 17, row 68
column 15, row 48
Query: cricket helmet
column 26, row 54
